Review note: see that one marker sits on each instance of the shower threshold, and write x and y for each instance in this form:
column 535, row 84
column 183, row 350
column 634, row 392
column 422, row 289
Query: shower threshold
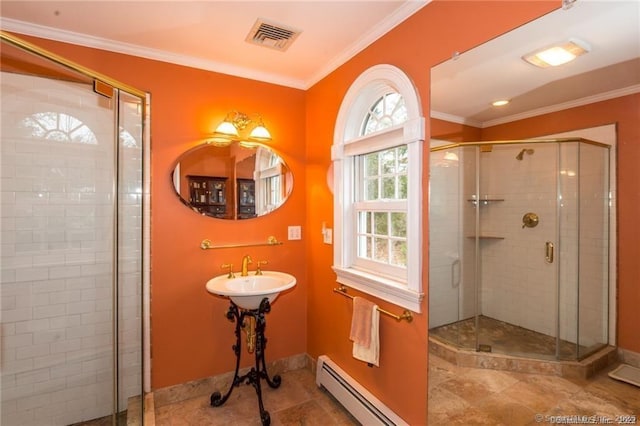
column 509, row 347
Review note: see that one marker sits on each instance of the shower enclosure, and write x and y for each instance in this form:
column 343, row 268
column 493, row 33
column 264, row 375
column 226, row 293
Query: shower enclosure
column 519, row 247
column 72, row 232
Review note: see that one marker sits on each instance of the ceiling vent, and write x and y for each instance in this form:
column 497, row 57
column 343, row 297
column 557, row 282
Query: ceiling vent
column 272, row 35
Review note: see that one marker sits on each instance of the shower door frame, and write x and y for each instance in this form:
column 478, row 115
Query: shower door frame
column 101, row 82
column 610, row 224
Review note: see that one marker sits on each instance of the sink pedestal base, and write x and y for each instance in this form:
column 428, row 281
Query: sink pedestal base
column 257, row 373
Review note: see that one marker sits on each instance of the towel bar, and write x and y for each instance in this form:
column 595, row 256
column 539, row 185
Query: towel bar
column 406, row 315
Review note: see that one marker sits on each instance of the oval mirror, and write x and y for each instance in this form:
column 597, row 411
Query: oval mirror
column 237, row 181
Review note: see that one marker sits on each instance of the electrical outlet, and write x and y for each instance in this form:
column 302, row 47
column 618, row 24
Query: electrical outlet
column 294, row 232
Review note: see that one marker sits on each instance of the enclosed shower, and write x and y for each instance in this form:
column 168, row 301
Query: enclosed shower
column 519, row 247
column 72, row 242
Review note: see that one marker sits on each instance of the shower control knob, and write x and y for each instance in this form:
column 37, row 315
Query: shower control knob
column 530, row 220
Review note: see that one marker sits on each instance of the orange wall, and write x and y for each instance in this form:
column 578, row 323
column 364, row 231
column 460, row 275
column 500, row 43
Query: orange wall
column 454, row 132
column 625, row 113
column 191, row 338
column 424, row 40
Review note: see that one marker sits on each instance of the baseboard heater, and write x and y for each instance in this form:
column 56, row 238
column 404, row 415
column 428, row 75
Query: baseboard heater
column 362, row 405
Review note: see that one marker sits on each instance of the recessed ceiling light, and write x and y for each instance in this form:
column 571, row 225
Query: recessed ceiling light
column 500, row 102
column 558, row 54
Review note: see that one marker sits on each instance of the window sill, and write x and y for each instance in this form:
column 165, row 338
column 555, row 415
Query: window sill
column 383, row 288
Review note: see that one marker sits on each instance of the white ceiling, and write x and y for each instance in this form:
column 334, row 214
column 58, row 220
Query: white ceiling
column 211, row 34
column 462, row 89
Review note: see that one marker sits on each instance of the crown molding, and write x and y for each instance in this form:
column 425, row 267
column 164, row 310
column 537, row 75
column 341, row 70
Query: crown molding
column 85, row 40
column 397, row 17
column 565, row 105
column 539, row 111
column 455, row 119
column 402, row 13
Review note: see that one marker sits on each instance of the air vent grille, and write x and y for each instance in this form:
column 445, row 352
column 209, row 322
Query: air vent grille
column 272, row 35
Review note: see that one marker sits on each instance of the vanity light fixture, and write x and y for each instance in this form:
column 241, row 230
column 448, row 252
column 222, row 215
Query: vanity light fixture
column 234, row 124
column 558, row 54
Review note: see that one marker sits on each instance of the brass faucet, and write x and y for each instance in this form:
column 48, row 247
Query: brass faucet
column 230, row 267
column 246, row 260
column 259, row 263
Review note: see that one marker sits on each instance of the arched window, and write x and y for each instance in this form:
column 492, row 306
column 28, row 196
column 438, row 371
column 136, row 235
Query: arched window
column 388, row 111
column 377, row 156
column 61, row 127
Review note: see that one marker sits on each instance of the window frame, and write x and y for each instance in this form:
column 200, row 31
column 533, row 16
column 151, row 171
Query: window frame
column 348, row 144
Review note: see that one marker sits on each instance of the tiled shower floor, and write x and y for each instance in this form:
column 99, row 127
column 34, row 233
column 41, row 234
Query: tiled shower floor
column 506, row 338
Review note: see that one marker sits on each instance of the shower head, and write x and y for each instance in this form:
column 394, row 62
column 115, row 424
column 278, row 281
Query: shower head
column 521, row 154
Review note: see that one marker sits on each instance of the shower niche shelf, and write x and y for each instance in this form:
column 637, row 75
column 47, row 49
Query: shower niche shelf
column 484, row 201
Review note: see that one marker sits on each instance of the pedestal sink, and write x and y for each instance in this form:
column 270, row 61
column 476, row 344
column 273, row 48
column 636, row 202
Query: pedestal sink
column 248, row 311
column 247, row 292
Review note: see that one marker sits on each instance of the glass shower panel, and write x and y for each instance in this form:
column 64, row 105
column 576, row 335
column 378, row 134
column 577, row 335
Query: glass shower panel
column 568, row 253
column 453, row 261
column 129, row 283
column 593, row 237
column 444, row 241
column 470, row 243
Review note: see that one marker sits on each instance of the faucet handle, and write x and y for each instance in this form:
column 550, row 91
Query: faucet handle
column 258, row 263
column 230, row 266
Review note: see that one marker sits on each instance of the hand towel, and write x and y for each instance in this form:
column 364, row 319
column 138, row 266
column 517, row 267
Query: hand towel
column 365, row 331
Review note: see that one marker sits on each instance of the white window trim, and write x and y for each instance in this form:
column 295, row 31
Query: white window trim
column 369, row 87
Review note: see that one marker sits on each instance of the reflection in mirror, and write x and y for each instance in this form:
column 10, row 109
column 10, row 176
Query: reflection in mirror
column 475, row 188
column 237, row 181
column 464, row 88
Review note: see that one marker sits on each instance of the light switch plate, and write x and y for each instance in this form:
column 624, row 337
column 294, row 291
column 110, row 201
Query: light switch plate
column 294, row 233
column 327, row 236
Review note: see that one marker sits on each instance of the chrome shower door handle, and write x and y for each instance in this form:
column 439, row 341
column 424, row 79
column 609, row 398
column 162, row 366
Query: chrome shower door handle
column 455, row 266
column 549, row 252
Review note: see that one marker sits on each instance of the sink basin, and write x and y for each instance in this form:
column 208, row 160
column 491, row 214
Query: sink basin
column 247, row 292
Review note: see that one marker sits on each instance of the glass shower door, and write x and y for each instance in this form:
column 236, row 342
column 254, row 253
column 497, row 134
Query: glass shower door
column 517, row 250
column 445, row 273
column 71, row 230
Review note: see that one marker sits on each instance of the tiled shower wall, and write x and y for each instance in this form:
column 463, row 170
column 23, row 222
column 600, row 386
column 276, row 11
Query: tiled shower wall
column 57, row 254
column 517, row 285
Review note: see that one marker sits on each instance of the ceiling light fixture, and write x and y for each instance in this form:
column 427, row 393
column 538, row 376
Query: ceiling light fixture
column 234, row 124
column 500, row 102
column 558, row 54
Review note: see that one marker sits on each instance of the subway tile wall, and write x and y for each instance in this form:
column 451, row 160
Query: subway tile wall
column 57, row 229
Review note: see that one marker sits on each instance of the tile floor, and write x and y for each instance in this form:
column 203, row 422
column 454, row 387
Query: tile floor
column 457, row 396
column 469, row 396
column 298, row 401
